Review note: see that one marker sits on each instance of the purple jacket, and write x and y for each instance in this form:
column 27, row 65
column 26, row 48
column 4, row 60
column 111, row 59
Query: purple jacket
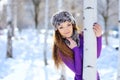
column 76, row 65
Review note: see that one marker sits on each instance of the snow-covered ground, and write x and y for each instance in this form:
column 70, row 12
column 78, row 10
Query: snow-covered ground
column 28, row 61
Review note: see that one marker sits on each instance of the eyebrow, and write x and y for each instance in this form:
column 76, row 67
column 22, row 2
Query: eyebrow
column 59, row 26
column 69, row 23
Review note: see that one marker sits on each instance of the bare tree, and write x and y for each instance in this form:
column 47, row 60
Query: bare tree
column 9, row 40
column 3, row 17
column 118, row 70
column 46, row 29
column 90, row 57
column 36, row 8
column 63, row 73
column 60, row 4
column 18, row 9
column 10, row 29
column 106, row 10
column 14, row 16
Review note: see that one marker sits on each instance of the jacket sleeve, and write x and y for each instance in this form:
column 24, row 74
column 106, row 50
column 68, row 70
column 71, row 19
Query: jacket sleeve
column 74, row 64
column 99, row 46
column 77, row 60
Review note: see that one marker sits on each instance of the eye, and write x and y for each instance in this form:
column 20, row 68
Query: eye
column 69, row 24
column 60, row 27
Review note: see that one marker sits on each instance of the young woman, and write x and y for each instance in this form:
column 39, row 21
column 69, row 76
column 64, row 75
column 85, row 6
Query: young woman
column 68, row 43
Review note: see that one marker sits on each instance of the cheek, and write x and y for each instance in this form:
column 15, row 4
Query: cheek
column 71, row 29
column 60, row 31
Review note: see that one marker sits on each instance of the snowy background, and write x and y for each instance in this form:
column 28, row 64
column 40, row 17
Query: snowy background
column 28, row 61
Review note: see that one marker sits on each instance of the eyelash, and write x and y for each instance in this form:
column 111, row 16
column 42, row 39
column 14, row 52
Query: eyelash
column 67, row 26
column 61, row 28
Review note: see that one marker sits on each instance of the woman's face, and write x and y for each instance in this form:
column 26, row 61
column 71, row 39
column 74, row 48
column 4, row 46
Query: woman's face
column 66, row 29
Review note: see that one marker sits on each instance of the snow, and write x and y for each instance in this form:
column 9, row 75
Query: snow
column 28, row 62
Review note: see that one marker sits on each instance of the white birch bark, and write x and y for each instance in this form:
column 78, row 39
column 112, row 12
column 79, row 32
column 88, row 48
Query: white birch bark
column 15, row 17
column 90, row 52
column 9, row 10
column 45, row 37
column 46, row 29
column 118, row 71
column 60, row 4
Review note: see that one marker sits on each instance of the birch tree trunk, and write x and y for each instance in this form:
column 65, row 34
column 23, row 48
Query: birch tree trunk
column 10, row 29
column 46, row 29
column 45, row 37
column 106, row 21
column 9, row 41
column 36, row 7
column 63, row 73
column 60, row 4
column 118, row 71
column 14, row 17
column 90, row 57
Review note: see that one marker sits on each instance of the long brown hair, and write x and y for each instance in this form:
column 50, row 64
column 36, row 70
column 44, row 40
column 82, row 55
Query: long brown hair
column 60, row 46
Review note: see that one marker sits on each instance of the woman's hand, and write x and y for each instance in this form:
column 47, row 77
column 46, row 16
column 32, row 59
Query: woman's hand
column 72, row 43
column 97, row 29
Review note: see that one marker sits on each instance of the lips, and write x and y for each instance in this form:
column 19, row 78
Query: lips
column 67, row 32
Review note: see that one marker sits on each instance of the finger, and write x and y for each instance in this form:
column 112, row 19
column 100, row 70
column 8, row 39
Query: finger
column 97, row 30
column 69, row 39
column 97, row 33
column 97, row 27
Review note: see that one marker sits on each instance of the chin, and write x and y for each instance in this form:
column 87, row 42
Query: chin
column 68, row 36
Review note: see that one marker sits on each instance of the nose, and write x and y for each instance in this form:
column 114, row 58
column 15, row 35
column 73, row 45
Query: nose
column 66, row 28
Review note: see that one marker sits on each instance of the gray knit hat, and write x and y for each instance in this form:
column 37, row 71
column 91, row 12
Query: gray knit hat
column 61, row 17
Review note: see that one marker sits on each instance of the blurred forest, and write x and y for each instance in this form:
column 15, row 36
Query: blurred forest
column 36, row 14
column 31, row 13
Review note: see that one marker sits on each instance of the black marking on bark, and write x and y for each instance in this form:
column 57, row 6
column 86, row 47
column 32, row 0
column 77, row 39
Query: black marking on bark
column 119, row 21
column 83, row 18
column 85, row 29
column 88, row 8
column 89, row 66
